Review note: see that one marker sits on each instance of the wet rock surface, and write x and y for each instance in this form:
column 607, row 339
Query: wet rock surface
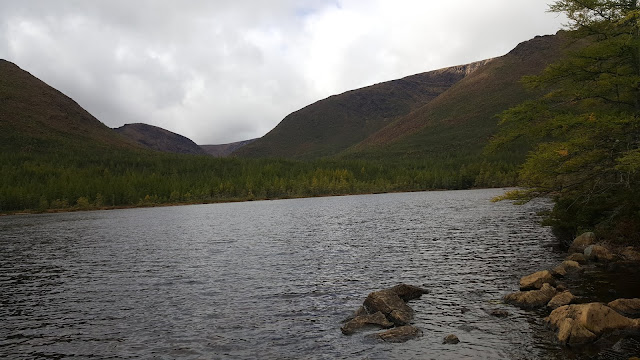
column 578, row 324
column 626, row 307
column 567, row 266
column 532, row 298
column 537, row 280
column 399, row 334
column 451, row 339
column 362, row 321
column 564, row 298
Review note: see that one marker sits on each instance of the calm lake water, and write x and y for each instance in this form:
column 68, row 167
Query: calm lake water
column 272, row 279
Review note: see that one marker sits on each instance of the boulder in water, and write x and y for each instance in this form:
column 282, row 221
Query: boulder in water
column 567, row 266
column 582, row 323
column 399, row 334
column 536, row 280
column 362, row 321
column 531, row 299
column 451, row 339
column 409, row 292
column 391, row 305
column 562, row 299
column 626, row 307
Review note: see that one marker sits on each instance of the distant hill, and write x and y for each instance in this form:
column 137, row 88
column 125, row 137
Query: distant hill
column 332, row 125
column 159, row 139
column 224, row 150
column 36, row 117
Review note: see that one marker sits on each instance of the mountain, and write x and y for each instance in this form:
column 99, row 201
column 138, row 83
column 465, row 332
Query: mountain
column 159, row 139
column 224, row 150
column 438, row 112
column 36, row 117
column 464, row 117
column 332, row 125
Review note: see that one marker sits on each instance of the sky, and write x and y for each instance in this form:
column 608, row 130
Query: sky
column 220, row 71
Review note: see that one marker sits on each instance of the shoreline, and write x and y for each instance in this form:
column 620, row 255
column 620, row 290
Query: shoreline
column 605, row 277
column 222, row 201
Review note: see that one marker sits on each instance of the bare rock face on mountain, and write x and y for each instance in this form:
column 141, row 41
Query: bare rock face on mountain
column 224, row 150
column 159, row 139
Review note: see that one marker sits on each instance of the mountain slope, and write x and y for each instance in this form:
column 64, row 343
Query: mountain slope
column 224, row 150
column 36, row 117
column 332, row 125
column 159, row 139
column 464, row 117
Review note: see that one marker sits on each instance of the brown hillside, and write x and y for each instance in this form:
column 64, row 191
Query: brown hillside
column 36, row 117
column 159, row 139
column 467, row 112
column 331, row 125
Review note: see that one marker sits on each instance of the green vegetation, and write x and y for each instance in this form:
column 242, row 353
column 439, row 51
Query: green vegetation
column 587, row 125
column 98, row 179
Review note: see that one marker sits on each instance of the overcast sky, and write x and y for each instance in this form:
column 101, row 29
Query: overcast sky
column 220, row 71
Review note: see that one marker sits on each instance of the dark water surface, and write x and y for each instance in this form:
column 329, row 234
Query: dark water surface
column 272, row 279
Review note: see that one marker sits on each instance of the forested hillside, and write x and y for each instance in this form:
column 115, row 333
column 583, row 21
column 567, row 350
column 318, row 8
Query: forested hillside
column 330, row 126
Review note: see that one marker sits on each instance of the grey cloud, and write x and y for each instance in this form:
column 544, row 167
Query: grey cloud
column 227, row 70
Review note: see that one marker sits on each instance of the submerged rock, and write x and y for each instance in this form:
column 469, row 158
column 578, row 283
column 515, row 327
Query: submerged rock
column 362, row 321
column 499, row 313
column 627, row 307
column 531, row 299
column 399, row 334
column 451, row 339
column 536, row 280
column 598, row 253
column 582, row 242
column 562, row 299
column 583, row 323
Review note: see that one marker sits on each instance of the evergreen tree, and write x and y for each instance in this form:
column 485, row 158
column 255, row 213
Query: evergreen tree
column 587, row 126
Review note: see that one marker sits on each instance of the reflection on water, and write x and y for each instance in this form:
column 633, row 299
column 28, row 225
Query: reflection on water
column 271, row 279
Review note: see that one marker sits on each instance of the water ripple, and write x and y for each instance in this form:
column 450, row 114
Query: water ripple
column 272, row 279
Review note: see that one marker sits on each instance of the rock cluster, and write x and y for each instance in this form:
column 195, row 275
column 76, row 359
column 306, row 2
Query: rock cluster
column 386, row 309
column 578, row 323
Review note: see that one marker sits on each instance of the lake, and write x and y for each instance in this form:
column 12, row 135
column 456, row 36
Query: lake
column 272, row 279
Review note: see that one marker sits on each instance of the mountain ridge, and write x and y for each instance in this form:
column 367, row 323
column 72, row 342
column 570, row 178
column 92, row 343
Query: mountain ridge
column 333, row 124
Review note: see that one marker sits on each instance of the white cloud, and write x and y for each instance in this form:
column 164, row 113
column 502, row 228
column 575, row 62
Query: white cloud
column 227, row 70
